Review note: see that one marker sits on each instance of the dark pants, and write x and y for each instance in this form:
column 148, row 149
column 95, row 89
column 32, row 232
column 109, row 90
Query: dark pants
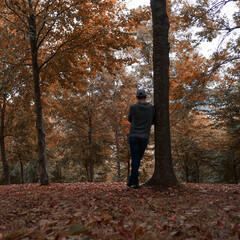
column 137, row 148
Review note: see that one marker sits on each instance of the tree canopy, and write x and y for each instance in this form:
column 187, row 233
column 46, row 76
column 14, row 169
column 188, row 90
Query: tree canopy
column 68, row 74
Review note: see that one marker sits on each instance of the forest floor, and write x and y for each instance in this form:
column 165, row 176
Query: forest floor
column 114, row 211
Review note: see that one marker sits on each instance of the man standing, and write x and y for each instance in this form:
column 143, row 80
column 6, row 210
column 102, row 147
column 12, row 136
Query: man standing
column 141, row 116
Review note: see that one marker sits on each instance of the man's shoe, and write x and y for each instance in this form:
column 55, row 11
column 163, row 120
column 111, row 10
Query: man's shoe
column 134, row 186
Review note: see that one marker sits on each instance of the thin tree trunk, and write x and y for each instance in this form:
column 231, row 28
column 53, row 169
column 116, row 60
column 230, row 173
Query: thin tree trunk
column 44, row 177
column 163, row 173
column 2, row 144
column 235, row 175
column 235, row 169
column 91, row 161
column 87, row 170
column 22, row 172
column 118, row 154
column 187, row 174
column 86, row 164
column 187, row 168
column 128, row 163
column 117, row 141
column 128, row 172
column 197, row 172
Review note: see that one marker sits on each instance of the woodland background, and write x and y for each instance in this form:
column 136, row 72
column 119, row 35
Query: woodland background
column 93, row 56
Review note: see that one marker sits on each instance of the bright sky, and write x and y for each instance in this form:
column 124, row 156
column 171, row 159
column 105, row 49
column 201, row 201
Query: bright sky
column 136, row 3
column 206, row 48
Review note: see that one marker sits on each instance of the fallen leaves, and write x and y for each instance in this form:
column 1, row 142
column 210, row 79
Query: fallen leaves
column 78, row 229
column 113, row 211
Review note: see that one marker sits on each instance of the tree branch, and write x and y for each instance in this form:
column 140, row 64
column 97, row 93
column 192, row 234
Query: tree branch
column 11, row 9
column 52, row 25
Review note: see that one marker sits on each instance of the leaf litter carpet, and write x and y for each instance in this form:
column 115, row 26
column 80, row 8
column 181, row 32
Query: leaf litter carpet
column 114, row 211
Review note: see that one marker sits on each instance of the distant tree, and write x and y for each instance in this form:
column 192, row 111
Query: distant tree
column 117, row 93
column 81, row 131
column 215, row 20
column 8, row 92
column 195, row 148
column 225, row 110
column 2, row 141
column 43, row 32
column 21, row 140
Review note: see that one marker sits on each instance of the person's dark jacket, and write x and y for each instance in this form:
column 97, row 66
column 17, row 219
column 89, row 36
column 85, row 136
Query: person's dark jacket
column 141, row 116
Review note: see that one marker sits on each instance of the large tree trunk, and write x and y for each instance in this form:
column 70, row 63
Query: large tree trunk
column 2, row 144
column 163, row 175
column 44, row 178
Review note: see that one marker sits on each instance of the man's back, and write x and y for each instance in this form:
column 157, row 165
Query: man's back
column 141, row 117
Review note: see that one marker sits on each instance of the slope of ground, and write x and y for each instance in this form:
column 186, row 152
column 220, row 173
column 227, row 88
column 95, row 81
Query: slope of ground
column 114, row 211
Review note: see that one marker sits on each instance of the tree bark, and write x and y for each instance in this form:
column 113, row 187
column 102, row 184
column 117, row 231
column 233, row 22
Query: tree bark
column 2, row 144
column 235, row 169
column 116, row 133
column 163, row 175
column 42, row 157
column 118, row 154
column 87, row 170
column 22, row 172
column 197, row 172
column 186, row 167
column 91, row 160
column 128, row 168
